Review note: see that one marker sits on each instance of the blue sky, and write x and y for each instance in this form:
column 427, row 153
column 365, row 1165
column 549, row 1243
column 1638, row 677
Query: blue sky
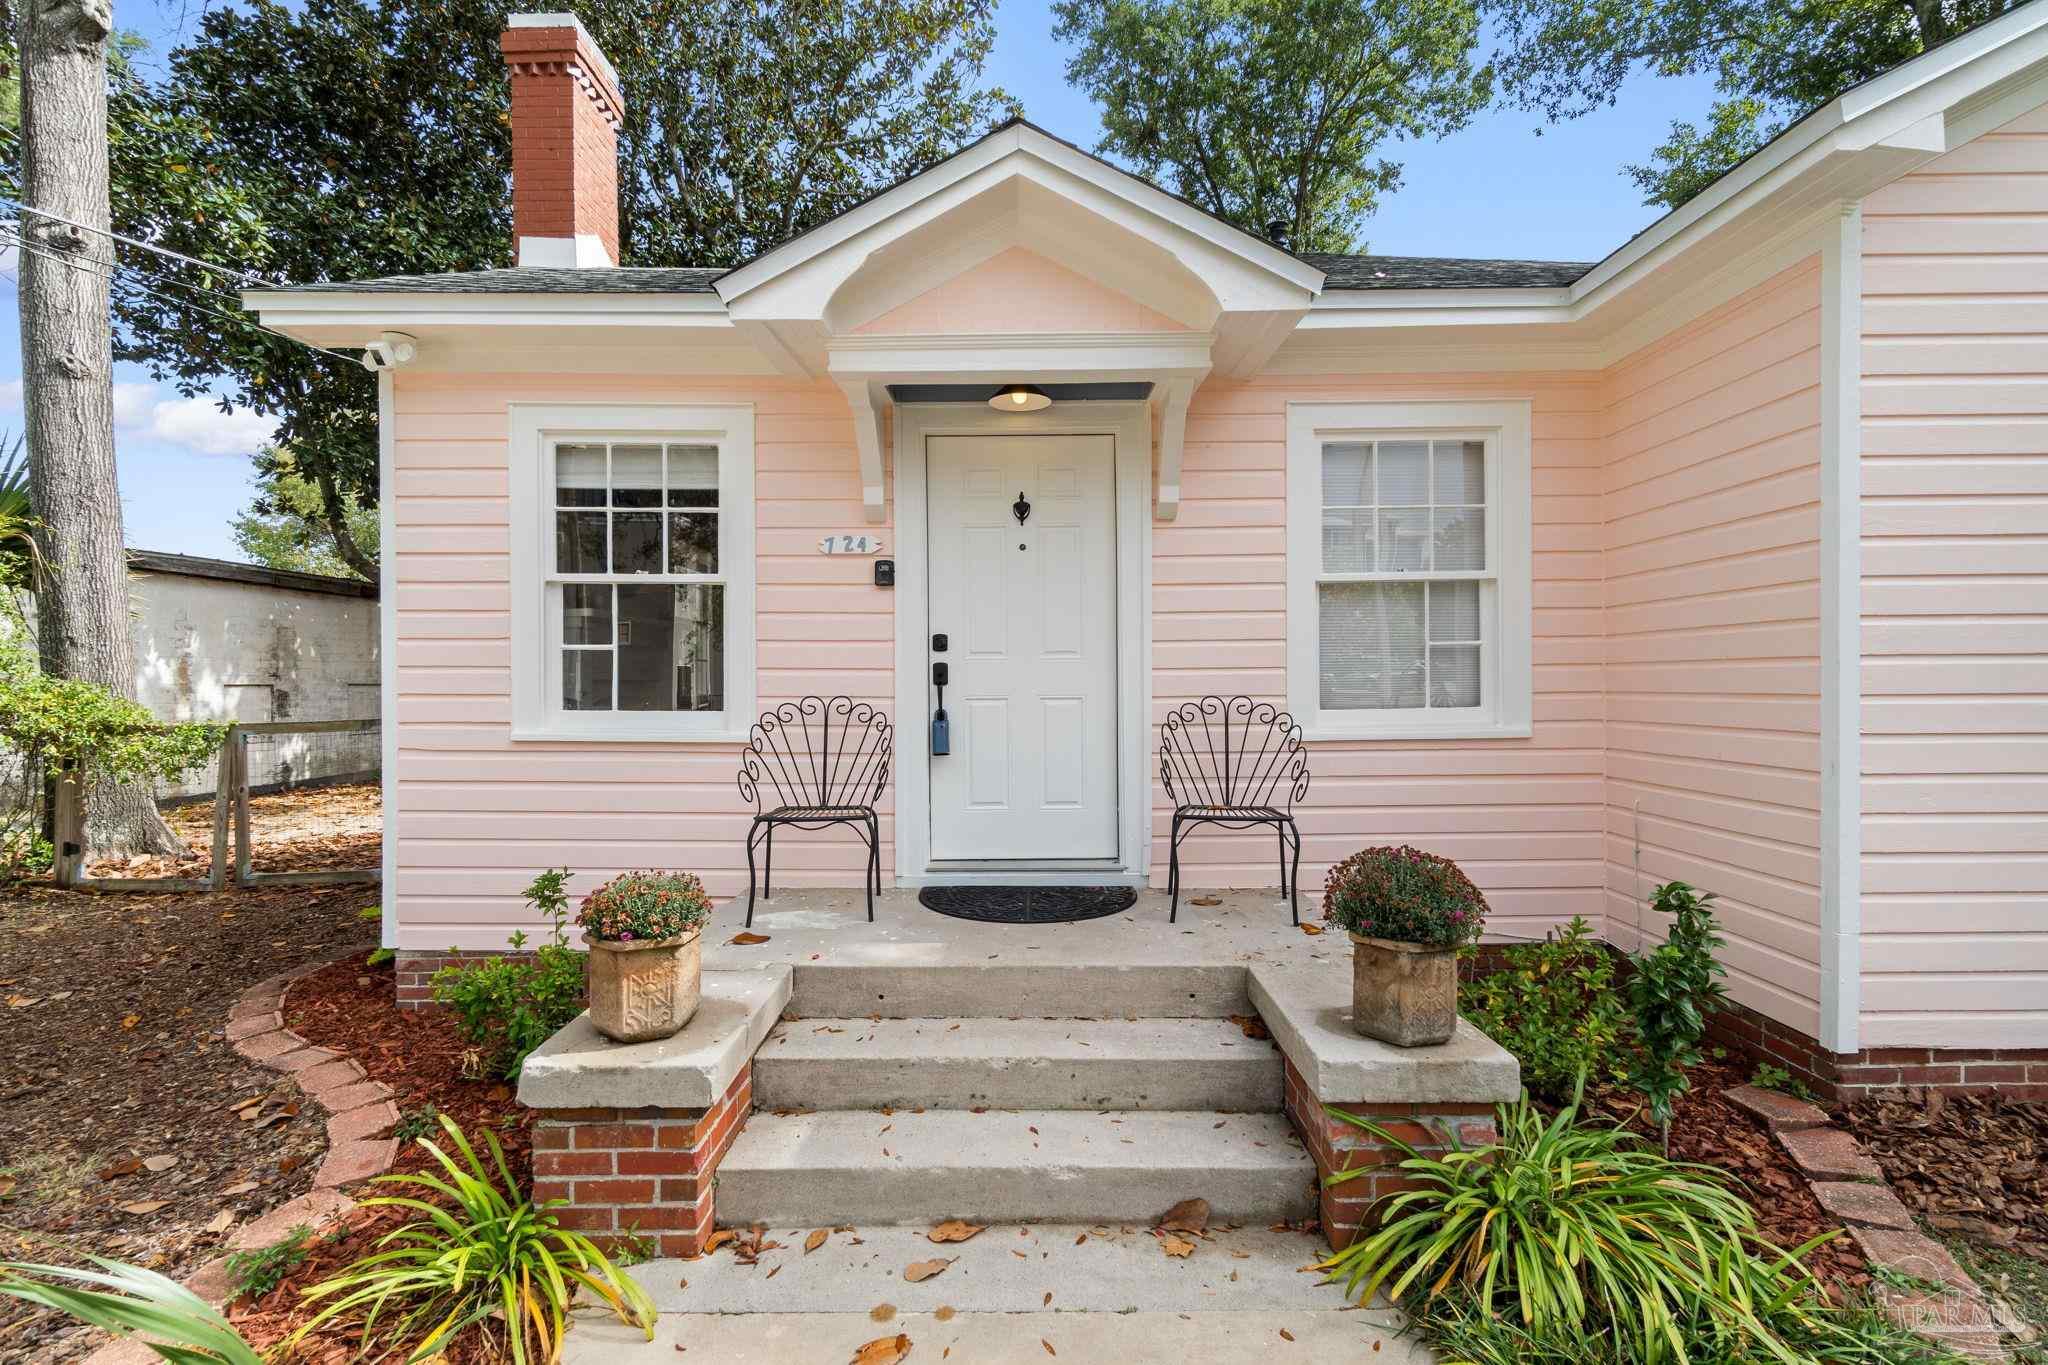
column 1500, row 187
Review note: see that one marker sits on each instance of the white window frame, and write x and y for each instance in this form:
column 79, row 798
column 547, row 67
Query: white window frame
column 535, row 430
column 1506, row 681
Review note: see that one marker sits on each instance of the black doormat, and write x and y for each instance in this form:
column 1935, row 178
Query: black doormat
column 1028, row 904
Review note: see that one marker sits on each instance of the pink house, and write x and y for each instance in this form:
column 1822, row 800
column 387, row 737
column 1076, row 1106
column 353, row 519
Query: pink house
column 1724, row 558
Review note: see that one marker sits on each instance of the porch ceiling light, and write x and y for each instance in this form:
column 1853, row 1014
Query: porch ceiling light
column 1021, row 398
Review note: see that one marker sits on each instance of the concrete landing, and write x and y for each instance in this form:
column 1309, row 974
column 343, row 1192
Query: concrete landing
column 1116, row 1297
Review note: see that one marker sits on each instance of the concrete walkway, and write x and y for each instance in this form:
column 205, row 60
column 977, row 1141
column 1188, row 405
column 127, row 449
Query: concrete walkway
column 1115, row 1296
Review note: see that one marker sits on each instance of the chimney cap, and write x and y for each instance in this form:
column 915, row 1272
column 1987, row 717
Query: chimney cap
column 583, row 39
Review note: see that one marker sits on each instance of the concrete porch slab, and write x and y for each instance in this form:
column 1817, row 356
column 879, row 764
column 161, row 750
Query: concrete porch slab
column 580, row 1068
column 1309, row 1014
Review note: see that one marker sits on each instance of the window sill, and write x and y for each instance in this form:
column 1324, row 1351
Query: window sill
column 1393, row 731
column 639, row 736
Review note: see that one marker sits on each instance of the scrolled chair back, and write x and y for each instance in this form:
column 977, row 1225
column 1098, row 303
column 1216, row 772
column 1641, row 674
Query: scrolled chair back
column 1232, row 751
column 817, row 751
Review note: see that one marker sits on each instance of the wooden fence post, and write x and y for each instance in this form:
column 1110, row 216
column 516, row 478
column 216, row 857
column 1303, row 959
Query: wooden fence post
column 69, row 865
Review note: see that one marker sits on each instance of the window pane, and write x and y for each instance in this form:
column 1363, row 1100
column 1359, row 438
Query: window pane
column 579, row 475
column 586, row 614
column 1372, row 645
column 579, row 542
column 1454, row 611
column 636, row 542
column 693, row 542
column 1404, row 540
column 693, row 476
column 1347, row 540
column 586, row 680
column 1454, row 675
column 1404, row 473
column 1460, row 535
column 636, row 476
column 1347, row 474
column 672, row 647
column 1460, row 472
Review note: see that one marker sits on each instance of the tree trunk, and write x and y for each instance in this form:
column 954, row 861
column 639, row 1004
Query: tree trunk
column 67, row 373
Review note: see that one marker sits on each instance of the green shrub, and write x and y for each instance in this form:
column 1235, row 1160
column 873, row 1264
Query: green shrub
column 507, row 1007
column 1570, row 1229
column 180, row 1326
column 415, row 1124
column 255, row 1273
column 640, row 907
column 1405, row 895
column 1673, row 990
column 475, row 1253
column 1556, row 1007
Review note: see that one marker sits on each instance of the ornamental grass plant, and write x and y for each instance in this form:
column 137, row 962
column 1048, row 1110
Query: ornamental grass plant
column 1406, row 896
column 645, row 907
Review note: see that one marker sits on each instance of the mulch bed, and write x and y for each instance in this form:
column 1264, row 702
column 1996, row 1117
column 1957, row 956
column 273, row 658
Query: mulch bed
column 307, row 829
column 351, row 1008
column 112, row 1007
column 1971, row 1165
column 1707, row 1129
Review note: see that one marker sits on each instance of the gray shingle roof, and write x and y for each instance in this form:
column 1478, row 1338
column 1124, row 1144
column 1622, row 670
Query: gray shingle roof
column 534, row 280
column 1441, row 272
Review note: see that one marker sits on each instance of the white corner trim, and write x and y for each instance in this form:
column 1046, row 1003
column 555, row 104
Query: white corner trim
column 1841, row 699
column 582, row 252
column 1508, row 670
column 535, row 717
column 1173, row 434
column 867, row 439
column 387, row 649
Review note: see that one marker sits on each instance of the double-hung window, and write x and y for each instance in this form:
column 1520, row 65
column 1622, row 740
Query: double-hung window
column 1409, row 569
column 633, row 555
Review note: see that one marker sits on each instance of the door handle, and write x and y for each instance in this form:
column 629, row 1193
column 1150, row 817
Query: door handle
column 942, row 730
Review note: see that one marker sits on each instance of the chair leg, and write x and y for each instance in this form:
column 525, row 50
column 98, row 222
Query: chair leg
column 1294, row 883
column 874, row 860
column 750, row 874
column 1280, row 838
column 1173, row 870
column 768, row 867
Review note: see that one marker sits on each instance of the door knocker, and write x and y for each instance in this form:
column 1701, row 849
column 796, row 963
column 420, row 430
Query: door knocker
column 1022, row 507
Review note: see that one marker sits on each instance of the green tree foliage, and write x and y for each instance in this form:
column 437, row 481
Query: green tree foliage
column 1268, row 113
column 1771, row 62
column 1676, row 985
column 338, row 139
column 285, row 526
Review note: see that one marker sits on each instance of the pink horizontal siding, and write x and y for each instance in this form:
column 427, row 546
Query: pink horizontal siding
column 1712, row 599
column 1955, row 598
column 477, row 815
column 1523, row 817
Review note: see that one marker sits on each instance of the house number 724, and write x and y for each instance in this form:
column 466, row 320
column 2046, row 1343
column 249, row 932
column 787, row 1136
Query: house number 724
column 850, row 545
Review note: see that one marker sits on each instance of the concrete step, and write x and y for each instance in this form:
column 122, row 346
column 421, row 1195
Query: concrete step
column 1008, row 983
column 1010, row 1165
column 1016, row 1064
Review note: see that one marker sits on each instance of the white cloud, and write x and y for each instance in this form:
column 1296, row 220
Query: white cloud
column 10, row 395
column 132, row 404
column 199, row 425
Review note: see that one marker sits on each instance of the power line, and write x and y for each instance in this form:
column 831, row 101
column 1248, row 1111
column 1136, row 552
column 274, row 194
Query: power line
column 242, row 275
column 18, row 238
column 117, row 282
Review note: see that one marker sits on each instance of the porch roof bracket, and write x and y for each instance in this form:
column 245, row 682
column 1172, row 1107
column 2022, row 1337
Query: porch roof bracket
column 866, row 402
column 1172, row 428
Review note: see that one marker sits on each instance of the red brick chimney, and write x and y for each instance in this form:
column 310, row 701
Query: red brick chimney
column 565, row 143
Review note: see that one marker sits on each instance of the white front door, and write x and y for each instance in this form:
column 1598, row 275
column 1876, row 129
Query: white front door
column 1028, row 610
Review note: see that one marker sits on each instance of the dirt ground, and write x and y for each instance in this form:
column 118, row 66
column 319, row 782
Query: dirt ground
column 307, row 829
column 117, row 1130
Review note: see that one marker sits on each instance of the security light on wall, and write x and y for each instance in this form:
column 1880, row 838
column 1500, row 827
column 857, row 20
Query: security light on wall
column 1021, row 398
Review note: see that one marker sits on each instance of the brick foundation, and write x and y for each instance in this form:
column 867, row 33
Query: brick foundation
column 415, row 970
column 1337, row 1146
column 2013, row 1073
column 638, row 1173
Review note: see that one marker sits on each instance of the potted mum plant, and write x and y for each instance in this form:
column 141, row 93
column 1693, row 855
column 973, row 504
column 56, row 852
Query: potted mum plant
column 646, row 961
column 1408, row 913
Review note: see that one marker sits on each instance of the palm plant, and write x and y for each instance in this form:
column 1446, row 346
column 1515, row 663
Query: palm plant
column 476, row 1252
column 179, row 1325
column 17, row 545
column 1577, row 1228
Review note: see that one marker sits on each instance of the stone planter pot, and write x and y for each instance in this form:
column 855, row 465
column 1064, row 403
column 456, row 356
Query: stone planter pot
column 643, row 991
column 1403, row 993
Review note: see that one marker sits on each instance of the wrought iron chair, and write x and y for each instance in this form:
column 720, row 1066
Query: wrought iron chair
column 1239, row 764
column 820, row 763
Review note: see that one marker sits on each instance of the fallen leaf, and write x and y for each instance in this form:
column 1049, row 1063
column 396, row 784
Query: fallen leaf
column 6, row 1186
column 160, row 1163
column 953, row 1230
column 1189, row 1215
column 21, row 1002
column 1312, row 929
column 816, row 1240
column 944, row 1313
column 146, row 1206
column 773, row 1273
column 719, row 1239
column 1286, row 1335
column 1174, row 1246
column 747, row 941
column 883, row 1350
column 130, row 1021
column 1206, row 900
column 125, row 1166
column 1250, row 1025
column 1080, row 1239
column 222, row 1221
column 1048, row 1347
column 241, row 1187
column 1048, row 1299
column 882, row 1312
column 918, row 1271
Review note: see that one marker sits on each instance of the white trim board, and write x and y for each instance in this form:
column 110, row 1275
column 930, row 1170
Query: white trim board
column 387, row 647
column 1130, row 424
